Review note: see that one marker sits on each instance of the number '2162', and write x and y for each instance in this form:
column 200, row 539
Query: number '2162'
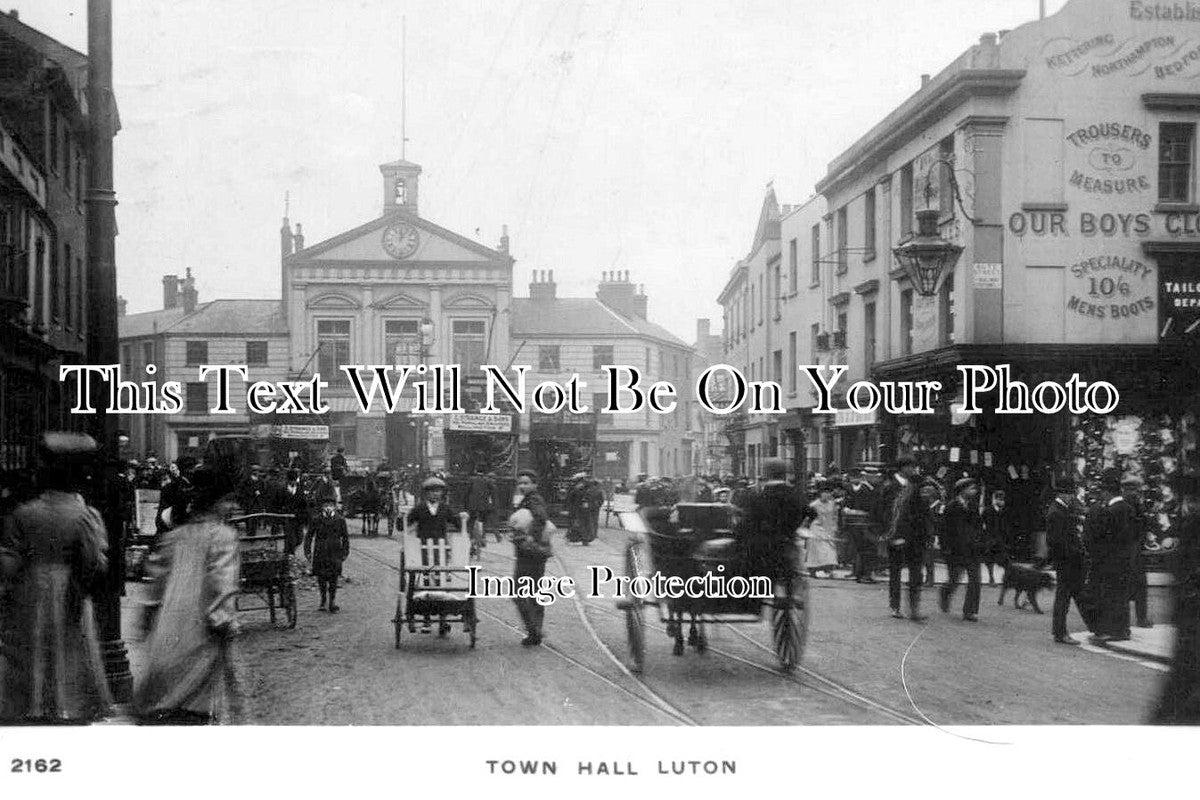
column 40, row 765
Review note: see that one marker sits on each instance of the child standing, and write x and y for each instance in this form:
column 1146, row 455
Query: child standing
column 326, row 546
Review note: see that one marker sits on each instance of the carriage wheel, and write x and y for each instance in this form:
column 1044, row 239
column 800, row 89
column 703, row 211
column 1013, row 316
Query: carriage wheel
column 287, row 599
column 399, row 619
column 635, row 623
column 789, row 625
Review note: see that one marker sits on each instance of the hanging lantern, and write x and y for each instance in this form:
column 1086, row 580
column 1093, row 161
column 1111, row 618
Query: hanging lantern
column 927, row 257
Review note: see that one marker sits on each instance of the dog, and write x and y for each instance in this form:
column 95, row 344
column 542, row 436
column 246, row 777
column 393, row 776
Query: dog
column 1027, row 578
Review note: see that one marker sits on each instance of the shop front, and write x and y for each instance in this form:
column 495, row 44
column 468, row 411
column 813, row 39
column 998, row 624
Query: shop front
column 1152, row 433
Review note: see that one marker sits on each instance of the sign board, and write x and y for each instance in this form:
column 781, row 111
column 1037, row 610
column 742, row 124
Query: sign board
column 301, row 431
column 844, row 417
column 479, row 423
column 988, row 276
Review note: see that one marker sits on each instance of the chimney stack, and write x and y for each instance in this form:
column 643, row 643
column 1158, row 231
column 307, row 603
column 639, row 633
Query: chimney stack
column 616, row 292
column 924, row 80
column 188, row 294
column 543, row 289
column 170, row 291
column 286, row 244
column 122, row 305
column 703, row 331
column 504, row 239
column 298, row 239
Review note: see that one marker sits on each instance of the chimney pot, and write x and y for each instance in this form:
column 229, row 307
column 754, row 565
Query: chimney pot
column 924, row 80
column 122, row 305
column 14, row 14
column 551, row 276
column 299, row 237
column 988, row 40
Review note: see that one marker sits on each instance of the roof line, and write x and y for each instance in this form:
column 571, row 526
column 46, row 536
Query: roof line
column 616, row 316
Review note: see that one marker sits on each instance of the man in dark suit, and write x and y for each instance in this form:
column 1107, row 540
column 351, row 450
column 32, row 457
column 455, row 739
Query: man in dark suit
column 902, row 515
column 961, row 534
column 290, row 499
column 1064, row 548
column 480, row 499
column 1112, row 529
column 771, row 516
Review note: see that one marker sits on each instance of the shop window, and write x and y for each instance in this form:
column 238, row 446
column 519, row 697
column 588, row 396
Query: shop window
column 196, row 353
column 343, row 431
column 548, row 358
column 601, row 354
column 906, row 200
column 256, row 352
column 1175, row 161
column 196, row 399
column 906, row 322
column 469, row 344
column 793, row 267
column 333, row 349
column 815, row 343
column 126, row 361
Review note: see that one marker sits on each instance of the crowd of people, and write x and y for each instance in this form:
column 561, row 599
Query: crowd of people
column 53, row 558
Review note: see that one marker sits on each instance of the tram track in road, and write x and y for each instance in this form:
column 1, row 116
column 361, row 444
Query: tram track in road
column 807, row 678
column 650, row 699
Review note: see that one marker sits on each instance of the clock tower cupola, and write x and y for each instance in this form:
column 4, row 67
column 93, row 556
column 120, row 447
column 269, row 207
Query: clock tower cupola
column 400, row 180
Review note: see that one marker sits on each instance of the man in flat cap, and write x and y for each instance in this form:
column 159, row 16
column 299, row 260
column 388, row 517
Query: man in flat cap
column 962, row 534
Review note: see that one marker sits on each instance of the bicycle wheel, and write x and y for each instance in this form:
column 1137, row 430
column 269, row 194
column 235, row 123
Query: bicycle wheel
column 789, row 623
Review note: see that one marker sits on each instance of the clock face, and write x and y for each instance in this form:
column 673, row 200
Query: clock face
column 400, row 240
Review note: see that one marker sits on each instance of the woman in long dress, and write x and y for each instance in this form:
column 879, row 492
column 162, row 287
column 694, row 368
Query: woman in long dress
column 52, row 559
column 188, row 677
column 821, row 533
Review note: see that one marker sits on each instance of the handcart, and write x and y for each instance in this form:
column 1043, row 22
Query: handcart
column 699, row 540
column 268, row 570
column 433, row 583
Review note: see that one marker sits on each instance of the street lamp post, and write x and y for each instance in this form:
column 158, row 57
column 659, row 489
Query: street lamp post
column 427, row 340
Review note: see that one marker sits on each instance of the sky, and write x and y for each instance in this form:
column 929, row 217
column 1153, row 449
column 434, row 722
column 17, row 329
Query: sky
column 624, row 135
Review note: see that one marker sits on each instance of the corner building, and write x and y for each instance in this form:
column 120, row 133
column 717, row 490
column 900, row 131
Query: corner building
column 1072, row 143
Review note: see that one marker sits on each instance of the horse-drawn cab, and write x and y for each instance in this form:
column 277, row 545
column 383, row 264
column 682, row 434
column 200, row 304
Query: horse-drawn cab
column 698, row 543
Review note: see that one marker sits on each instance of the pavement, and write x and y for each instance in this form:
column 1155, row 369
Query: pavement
column 1155, row 644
